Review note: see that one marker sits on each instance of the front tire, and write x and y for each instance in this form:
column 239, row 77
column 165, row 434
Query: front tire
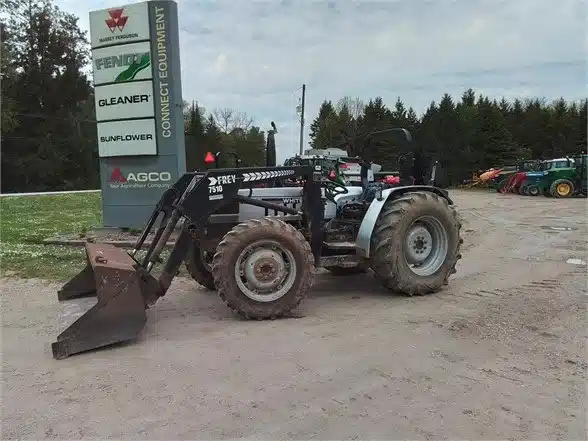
column 418, row 228
column 533, row 190
column 263, row 268
column 198, row 264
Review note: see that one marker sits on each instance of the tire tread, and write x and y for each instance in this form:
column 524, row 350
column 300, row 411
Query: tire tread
column 234, row 239
column 385, row 262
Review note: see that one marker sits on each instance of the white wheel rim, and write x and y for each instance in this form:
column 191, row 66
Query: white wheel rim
column 426, row 246
column 265, row 271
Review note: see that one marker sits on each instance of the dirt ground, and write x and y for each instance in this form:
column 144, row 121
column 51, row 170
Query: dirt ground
column 498, row 354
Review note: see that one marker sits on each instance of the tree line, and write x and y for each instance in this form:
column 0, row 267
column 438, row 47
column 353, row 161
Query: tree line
column 465, row 135
column 48, row 120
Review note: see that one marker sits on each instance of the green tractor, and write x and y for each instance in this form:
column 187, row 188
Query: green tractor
column 559, row 178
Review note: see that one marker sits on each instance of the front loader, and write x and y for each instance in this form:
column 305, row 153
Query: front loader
column 264, row 245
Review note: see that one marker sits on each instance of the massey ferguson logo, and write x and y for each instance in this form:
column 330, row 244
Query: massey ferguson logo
column 117, row 20
column 139, row 180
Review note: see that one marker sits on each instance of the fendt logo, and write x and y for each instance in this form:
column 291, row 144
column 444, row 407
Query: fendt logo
column 117, row 20
column 139, row 180
column 131, row 64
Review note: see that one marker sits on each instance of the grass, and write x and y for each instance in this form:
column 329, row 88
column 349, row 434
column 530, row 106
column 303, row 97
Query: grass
column 27, row 220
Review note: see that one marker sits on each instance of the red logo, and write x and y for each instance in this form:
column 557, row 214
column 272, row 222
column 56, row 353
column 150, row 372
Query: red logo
column 116, row 20
column 117, row 176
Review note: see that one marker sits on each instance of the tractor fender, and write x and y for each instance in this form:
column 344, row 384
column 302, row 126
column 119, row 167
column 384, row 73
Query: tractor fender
column 373, row 212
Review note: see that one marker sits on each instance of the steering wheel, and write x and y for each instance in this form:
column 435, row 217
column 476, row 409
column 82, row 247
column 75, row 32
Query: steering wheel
column 333, row 189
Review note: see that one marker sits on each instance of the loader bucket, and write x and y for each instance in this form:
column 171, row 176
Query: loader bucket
column 123, row 294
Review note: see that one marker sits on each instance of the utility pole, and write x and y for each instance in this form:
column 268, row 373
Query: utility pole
column 302, row 117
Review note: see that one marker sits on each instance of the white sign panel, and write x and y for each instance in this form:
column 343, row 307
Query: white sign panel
column 126, row 100
column 127, row 138
column 123, row 24
column 123, row 63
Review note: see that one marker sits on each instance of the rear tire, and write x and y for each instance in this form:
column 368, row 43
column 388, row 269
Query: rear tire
column 562, row 188
column 263, row 268
column 394, row 237
column 199, row 267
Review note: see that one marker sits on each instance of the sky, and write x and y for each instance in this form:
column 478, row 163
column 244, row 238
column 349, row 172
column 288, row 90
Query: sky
column 255, row 55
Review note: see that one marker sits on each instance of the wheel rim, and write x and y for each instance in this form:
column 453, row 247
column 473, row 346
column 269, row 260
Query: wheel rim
column 265, row 271
column 426, row 246
column 563, row 189
column 533, row 191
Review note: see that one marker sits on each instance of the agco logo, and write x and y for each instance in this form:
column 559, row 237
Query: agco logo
column 139, row 180
column 117, row 20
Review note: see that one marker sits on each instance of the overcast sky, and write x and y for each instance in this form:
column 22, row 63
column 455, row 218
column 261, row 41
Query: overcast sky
column 255, row 55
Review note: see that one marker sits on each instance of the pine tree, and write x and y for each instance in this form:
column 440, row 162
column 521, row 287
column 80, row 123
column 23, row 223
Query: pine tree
column 399, row 115
column 381, row 149
column 194, row 138
column 44, row 147
column 492, row 138
column 323, row 129
column 577, row 114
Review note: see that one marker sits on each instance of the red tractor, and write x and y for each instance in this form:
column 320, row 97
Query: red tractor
column 513, row 185
column 514, row 182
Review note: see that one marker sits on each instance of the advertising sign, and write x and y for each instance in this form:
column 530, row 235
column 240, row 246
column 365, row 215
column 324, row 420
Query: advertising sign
column 125, row 24
column 166, row 77
column 133, row 100
column 135, row 180
column 139, row 179
column 122, row 63
column 139, row 113
column 127, row 138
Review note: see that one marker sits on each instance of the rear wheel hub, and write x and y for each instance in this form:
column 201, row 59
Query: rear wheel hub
column 563, row 189
column 426, row 246
column 419, row 243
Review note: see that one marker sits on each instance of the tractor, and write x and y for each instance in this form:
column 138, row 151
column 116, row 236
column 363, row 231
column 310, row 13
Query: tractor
column 259, row 248
column 509, row 178
column 344, row 166
column 559, row 178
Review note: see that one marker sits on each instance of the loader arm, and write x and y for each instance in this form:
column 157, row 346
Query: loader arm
column 124, row 285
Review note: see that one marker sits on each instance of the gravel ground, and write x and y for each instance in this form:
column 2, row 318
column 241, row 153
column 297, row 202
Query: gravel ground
column 498, row 354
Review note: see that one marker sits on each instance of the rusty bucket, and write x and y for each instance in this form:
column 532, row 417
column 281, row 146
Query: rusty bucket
column 123, row 292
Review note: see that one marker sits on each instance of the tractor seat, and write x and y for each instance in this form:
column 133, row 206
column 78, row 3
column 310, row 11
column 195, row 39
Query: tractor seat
column 369, row 193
